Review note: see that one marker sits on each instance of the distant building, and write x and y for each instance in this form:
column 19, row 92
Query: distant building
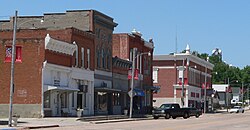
column 167, row 74
column 224, row 92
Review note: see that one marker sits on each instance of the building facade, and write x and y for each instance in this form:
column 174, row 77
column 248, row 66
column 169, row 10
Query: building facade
column 168, row 71
column 101, row 28
column 51, row 77
column 121, row 84
column 123, row 44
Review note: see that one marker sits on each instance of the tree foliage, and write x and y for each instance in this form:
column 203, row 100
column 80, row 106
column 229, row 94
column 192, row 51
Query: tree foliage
column 223, row 72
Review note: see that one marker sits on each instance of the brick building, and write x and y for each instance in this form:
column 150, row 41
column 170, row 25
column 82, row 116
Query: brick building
column 120, row 84
column 168, row 76
column 123, row 44
column 50, row 73
column 101, row 26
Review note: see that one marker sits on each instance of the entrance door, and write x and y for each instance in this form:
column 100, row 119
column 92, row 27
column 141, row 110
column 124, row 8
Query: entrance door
column 102, row 105
column 58, row 105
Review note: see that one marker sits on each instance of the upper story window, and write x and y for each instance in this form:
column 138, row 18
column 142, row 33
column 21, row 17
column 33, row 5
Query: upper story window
column 155, row 75
column 8, row 54
column 103, row 59
column 82, row 51
column 88, row 60
column 98, row 58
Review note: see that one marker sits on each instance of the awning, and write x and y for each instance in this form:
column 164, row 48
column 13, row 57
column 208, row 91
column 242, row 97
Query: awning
column 50, row 87
column 139, row 92
column 105, row 89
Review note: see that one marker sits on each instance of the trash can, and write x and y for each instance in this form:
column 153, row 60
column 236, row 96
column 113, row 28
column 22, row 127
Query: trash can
column 14, row 120
column 79, row 112
column 125, row 111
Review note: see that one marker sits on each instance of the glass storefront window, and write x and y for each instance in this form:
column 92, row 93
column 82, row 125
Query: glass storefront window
column 102, row 99
column 46, row 99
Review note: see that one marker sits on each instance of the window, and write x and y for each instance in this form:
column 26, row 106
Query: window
column 98, row 59
column 108, row 60
column 85, row 100
column 76, row 58
column 79, row 100
column 56, row 78
column 64, row 101
column 116, row 97
column 82, row 51
column 192, row 94
column 155, row 75
column 8, row 54
column 73, row 99
column 131, row 54
column 46, row 99
column 103, row 59
column 88, row 60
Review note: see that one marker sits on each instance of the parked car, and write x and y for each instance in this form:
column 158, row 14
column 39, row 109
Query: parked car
column 236, row 109
column 174, row 111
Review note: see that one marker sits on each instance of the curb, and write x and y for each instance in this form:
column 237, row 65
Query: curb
column 122, row 120
column 38, row 127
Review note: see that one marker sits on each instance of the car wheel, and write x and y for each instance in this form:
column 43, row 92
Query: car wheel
column 197, row 115
column 185, row 115
column 174, row 117
column 156, row 117
column 237, row 111
column 167, row 116
column 243, row 111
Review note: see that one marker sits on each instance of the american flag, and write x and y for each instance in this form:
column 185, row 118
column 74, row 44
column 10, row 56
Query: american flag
column 8, row 52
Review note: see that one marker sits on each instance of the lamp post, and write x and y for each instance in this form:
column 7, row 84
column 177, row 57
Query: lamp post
column 205, row 89
column 12, row 69
column 134, row 56
column 182, row 69
column 242, row 95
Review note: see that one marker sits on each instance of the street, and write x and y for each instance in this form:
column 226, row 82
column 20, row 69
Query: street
column 218, row 121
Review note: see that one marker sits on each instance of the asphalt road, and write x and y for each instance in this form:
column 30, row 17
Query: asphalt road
column 218, row 121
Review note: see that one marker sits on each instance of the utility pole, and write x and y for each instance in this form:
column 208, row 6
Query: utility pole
column 12, row 69
column 242, row 88
column 132, row 84
column 205, row 89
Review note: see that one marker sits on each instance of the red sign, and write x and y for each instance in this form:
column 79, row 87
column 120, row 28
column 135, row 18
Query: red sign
column 135, row 74
column 207, row 86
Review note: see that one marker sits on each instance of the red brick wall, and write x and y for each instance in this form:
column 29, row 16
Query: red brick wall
column 85, row 40
column 121, row 46
column 166, row 80
column 28, row 81
column 27, row 73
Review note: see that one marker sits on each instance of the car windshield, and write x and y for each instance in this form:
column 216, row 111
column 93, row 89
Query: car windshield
column 165, row 106
column 237, row 107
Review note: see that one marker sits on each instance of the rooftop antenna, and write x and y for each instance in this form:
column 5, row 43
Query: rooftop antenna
column 176, row 47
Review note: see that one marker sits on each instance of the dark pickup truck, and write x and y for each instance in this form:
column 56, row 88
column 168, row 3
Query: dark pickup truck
column 174, row 110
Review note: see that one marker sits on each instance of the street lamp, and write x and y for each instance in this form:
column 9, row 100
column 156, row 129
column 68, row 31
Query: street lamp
column 13, row 65
column 12, row 70
column 205, row 89
column 182, row 69
column 132, row 79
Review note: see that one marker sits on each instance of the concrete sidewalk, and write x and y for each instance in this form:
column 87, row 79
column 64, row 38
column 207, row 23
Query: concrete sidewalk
column 35, row 123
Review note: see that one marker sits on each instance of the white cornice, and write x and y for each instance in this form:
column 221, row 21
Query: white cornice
column 59, row 46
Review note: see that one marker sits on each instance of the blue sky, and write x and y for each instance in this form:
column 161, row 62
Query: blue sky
column 202, row 24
